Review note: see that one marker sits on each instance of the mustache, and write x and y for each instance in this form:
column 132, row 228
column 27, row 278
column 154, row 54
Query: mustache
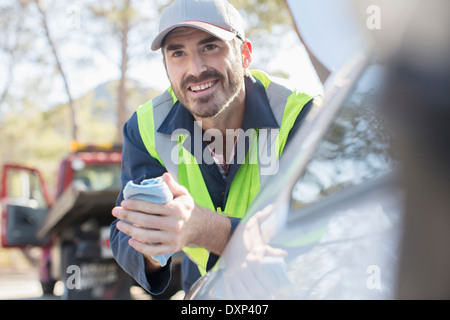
column 208, row 74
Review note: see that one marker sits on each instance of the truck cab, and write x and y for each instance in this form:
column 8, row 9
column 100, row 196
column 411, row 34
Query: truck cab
column 98, row 168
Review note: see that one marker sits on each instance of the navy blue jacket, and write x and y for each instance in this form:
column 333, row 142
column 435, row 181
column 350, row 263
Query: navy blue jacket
column 138, row 165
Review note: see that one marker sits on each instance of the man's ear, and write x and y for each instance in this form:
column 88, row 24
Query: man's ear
column 247, row 50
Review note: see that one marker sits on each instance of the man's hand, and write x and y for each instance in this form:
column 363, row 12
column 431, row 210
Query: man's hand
column 256, row 270
column 157, row 229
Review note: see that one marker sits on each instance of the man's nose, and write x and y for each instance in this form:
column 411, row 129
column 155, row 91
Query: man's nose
column 196, row 65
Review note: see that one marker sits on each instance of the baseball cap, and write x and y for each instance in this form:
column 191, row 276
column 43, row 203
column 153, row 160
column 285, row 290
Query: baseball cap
column 217, row 17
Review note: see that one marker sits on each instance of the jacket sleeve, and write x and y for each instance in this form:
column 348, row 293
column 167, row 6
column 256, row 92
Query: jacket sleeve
column 137, row 165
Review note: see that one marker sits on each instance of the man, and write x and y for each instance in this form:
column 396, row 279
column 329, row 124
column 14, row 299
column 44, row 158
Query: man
column 235, row 113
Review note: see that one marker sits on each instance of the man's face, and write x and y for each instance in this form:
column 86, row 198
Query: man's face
column 206, row 73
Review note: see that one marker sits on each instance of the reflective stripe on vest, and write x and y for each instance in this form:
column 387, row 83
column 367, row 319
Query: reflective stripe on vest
column 286, row 105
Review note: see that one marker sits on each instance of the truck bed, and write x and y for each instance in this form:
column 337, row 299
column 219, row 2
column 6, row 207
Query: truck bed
column 75, row 205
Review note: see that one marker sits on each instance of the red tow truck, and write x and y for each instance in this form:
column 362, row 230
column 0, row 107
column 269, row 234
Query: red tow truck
column 72, row 229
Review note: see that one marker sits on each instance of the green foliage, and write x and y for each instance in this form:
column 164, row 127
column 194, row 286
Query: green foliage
column 265, row 23
column 262, row 17
column 28, row 139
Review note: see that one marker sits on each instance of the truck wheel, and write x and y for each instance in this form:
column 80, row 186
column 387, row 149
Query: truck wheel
column 48, row 287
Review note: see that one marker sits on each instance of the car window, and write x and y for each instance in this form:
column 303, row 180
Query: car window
column 356, row 148
column 24, row 189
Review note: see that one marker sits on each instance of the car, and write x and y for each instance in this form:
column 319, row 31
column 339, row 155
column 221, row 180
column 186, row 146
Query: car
column 359, row 207
column 328, row 225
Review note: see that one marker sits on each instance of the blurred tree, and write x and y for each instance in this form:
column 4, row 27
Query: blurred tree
column 59, row 67
column 265, row 20
column 13, row 44
column 120, row 19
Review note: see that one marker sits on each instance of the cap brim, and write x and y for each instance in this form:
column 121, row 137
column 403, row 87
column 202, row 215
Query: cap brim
column 218, row 32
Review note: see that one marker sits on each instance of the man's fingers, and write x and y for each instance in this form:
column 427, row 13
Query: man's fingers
column 149, row 249
column 152, row 221
column 177, row 189
column 264, row 213
column 144, row 235
column 275, row 252
column 144, row 206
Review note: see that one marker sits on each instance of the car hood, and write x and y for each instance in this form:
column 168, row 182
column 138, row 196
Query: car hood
column 329, row 29
column 335, row 31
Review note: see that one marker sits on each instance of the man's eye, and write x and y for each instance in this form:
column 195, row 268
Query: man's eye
column 177, row 54
column 209, row 47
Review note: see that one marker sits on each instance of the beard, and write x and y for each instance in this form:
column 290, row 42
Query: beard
column 213, row 104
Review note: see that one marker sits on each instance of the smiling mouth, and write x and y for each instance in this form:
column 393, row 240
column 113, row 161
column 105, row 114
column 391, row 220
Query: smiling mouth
column 202, row 87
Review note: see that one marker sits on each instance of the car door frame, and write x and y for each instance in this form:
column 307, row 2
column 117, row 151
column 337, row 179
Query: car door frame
column 32, row 218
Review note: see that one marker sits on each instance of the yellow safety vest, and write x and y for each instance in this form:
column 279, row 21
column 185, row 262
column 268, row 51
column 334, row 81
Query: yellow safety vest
column 286, row 105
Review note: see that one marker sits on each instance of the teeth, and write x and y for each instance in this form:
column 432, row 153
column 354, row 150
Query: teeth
column 202, row 87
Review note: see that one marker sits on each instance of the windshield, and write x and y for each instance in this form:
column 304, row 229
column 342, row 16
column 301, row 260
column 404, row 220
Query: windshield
column 356, row 148
column 99, row 177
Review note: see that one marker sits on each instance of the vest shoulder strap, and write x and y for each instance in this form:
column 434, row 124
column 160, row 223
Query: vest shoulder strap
column 286, row 103
column 150, row 117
